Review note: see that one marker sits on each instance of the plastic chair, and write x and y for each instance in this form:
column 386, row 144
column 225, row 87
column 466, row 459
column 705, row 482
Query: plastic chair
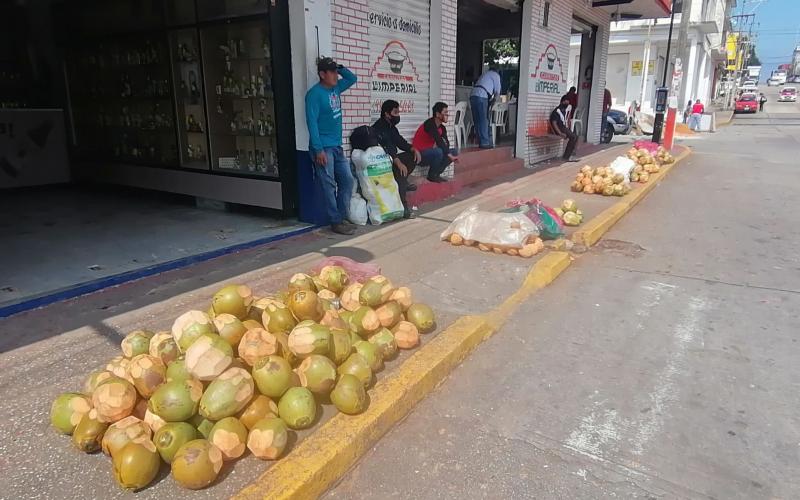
column 499, row 113
column 577, row 122
column 459, row 126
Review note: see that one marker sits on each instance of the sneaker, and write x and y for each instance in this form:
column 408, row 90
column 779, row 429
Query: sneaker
column 343, row 229
column 409, row 214
column 573, row 159
column 411, row 187
column 438, row 179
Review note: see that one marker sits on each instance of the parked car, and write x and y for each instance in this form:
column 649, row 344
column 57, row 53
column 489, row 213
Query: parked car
column 617, row 123
column 788, row 94
column 749, row 86
column 747, row 103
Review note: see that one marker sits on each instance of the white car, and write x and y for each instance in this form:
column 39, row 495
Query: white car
column 773, row 82
column 749, row 87
column 788, row 94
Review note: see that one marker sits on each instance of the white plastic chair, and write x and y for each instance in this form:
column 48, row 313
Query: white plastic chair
column 577, row 122
column 459, row 125
column 499, row 113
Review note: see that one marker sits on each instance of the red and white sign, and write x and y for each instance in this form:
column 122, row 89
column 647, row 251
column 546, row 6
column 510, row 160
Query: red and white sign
column 549, row 75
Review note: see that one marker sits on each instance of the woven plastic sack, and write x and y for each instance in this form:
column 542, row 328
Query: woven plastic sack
column 510, row 230
column 357, row 271
column 623, row 165
column 546, row 220
column 373, row 169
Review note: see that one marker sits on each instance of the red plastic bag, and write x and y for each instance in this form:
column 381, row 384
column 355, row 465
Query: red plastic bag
column 357, row 271
column 650, row 146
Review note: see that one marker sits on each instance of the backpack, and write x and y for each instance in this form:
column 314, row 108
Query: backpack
column 363, row 138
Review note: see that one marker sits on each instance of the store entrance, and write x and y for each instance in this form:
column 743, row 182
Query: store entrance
column 488, row 37
column 581, row 73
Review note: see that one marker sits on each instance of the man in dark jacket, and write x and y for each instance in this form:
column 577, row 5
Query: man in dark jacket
column 432, row 143
column 404, row 156
column 558, row 123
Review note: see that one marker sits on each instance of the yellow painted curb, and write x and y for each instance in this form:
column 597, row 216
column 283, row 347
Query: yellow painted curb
column 592, row 231
column 325, row 456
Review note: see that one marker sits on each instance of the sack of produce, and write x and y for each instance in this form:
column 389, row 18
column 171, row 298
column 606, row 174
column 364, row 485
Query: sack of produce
column 510, row 230
column 373, row 169
column 546, row 220
column 623, row 165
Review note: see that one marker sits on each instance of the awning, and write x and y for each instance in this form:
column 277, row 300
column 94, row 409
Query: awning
column 635, row 9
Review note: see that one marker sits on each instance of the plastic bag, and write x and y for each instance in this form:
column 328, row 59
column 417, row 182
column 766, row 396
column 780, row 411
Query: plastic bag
column 358, row 210
column 623, row 165
column 546, row 220
column 650, row 146
column 357, row 271
column 373, row 169
column 511, row 230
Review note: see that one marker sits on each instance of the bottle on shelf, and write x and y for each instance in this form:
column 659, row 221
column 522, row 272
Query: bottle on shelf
column 262, row 125
column 250, row 163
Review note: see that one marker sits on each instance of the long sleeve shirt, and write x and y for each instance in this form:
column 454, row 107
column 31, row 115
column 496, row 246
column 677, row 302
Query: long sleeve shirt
column 324, row 112
column 390, row 138
column 428, row 135
column 487, row 85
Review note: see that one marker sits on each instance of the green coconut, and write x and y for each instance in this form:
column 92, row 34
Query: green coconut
column 286, row 353
column 278, row 318
column 164, row 347
column 357, row 366
column 251, row 324
column 349, row 395
column 94, row 379
column 190, row 326
column 88, row 434
column 349, row 299
column 371, row 353
column 152, row 420
column 136, row 465
column 147, row 372
column 176, row 401
column 385, row 341
column 114, row 399
column 421, row 316
column 233, row 299
column 389, row 314
column 305, row 305
column 268, row 438
column 136, row 342
column 341, row 346
column 202, row 424
column 177, row 370
column 354, row 338
column 68, row 409
column 118, row 366
column 317, row 373
column 123, row 432
column 334, row 277
column 259, row 407
column 170, row 437
column 256, row 344
column 227, row 394
column 302, row 281
column 230, row 436
column 370, row 294
column 309, row 338
column 364, row 321
column 273, row 376
column 231, row 329
column 197, row 464
column 402, row 295
column 386, row 286
column 208, row 357
column 298, row 408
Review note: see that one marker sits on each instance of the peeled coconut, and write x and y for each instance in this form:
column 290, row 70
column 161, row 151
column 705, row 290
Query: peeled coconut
column 230, row 436
column 357, row 366
column 402, row 295
column 406, row 335
column 164, row 347
column 114, row 399
column 68, row 409
column 256, row 344
column 147, row 372
column 208, row 357
column 334, row 277
column 258, row 408
column 88, row 434
column 135, row 343
column 317, row 373
column 385, row 341
column 227, row 394
column 230, row 328
column 350, row 297
column 389, row 314
column 273, row 376
column 371, row 353
column 176, row 401
column 278, row 317
column 302, row 281
column 268, row 438
column 305, row 305
column 123, row 432
column 309, row 338
column 364, row 321
column 190, row 326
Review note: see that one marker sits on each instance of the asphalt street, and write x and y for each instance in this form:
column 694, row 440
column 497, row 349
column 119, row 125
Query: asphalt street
column 662, row 364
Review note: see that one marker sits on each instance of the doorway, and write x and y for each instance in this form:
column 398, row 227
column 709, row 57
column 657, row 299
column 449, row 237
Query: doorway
column 581, row 72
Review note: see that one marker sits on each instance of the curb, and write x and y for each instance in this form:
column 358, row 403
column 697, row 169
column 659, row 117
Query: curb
column 593, row 230
column 322, row 458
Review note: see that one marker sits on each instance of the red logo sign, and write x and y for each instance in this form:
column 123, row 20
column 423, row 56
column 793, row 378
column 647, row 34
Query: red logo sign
column 394, row 71
column 549, row 72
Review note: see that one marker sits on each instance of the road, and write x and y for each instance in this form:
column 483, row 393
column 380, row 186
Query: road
column 662, row 364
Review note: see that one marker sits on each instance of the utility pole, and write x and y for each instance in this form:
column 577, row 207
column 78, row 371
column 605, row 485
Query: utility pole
column 683, row 51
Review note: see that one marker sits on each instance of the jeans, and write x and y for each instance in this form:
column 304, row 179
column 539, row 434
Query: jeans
column 336, row 183
column 407, row 159
column 480, row 116
column 572, row 141
column 694, row 121
column 436, row 160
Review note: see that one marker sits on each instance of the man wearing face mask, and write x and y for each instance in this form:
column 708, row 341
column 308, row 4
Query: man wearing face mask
column 404, row 156
column 558, row 123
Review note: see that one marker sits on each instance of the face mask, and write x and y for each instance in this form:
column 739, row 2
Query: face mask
column 394, row 120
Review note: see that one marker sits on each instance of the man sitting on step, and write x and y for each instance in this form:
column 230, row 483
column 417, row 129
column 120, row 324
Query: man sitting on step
column 432, row 143
column 404, row 156
column 558, row 124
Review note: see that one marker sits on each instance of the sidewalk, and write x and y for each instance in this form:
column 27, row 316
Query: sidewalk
column 81, row 334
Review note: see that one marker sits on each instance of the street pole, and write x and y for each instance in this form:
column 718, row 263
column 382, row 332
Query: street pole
column 683, row 51
column 658, row 122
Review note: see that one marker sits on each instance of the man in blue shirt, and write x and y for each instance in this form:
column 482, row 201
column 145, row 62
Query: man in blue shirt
column 324, row 120
column 485, row 89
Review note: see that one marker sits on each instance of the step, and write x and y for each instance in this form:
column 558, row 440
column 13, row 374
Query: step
column 475, row 175
column 474, row 157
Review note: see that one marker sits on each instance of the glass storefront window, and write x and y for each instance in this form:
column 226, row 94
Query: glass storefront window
column 220, row 9
column 189, row 98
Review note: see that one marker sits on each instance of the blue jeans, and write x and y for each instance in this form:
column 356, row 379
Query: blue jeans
column 336, row 183
column 694, row 121
column 480, row 117
column 435, row 159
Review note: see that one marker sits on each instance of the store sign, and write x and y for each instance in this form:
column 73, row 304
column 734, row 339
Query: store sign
column 548, row 76
column 399, row 51
column 637, row 67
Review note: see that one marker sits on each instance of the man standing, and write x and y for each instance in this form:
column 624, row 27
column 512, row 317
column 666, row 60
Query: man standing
column 762, row 99
column 324, row 120
column 485, row 90
column 558, row 122
column 432, row 143
column 606, row 104
column 697, row 113
column 389, row 138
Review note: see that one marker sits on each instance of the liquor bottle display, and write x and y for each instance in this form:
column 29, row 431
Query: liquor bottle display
column 189, row 100
column 238, row 69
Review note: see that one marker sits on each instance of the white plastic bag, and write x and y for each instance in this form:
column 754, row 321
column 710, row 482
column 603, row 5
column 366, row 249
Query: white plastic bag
column 623, row 165
column 373, row 169
column 511, row 230
column 358, row 210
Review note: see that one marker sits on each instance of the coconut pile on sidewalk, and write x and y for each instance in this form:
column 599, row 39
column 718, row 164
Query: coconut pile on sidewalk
column 614, row 179
column 241, row 376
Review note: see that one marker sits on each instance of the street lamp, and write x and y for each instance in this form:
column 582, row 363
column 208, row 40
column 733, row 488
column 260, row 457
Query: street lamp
column 658, row 123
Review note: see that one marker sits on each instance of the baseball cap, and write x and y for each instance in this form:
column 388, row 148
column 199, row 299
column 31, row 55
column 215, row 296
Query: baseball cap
column 326, row 64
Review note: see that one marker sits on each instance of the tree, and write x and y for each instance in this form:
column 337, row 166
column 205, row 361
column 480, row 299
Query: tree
column 498, row 49
column 753, row 60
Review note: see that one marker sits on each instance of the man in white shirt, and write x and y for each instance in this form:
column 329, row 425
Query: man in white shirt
column 485, row 90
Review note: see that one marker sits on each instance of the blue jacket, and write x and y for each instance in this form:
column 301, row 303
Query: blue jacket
column 324, row 112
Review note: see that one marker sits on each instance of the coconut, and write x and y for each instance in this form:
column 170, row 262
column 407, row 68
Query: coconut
column 309, row 338
column 250, row 324
column 147, row 372
column 403, row 297
column 268, row 438
column 364, row 321
column 341, row 346
column 153, row 421
column 619, row 190
column 302, row 281
column 67, row 411
column 118, row 366
column 94, row 379
column 389, row 314
column 176, row 401
column 298, row 408
column 349, row 395
column 233, row 299
column 305, row 305
column 136, row 342
column 334, row 277
column 196, row 464
column 273, row 376
column 230, row 436
column 385, row 342
column 357, row 366
column 370, row 294
column 114, row 399
column 208, row 356
column 202, row 425
column 123, row 432
column 286, row 353
column 136, row 464
column 317, row 373
column 278, row 318
column 260, row 407
column 170, row 437
column 164, row 347
column 177, row 370
column 227, row 394
column 231, row 329
column 331, row 319
column 371, row 353
column 89, row 432
column 350, row 297
column 327, row 296
column 190, row 326
column 256, row 344
column 406, row 335
column 422, row 317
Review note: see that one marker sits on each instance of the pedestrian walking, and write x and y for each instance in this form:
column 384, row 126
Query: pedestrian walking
column 404, row 156
column 433, row 145
column 558, row 124
column 484, row 92
column 687, row 112
column 324, row 120
column 761, row 101
column 697, row 113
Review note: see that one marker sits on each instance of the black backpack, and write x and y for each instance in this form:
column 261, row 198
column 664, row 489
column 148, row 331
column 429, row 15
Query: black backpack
column 363, row 138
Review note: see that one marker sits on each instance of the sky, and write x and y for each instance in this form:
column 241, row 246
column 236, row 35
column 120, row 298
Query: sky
column 778, row 29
